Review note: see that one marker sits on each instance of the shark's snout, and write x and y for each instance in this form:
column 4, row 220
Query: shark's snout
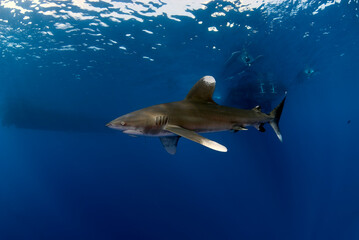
column 116, row 124
column 110, row 125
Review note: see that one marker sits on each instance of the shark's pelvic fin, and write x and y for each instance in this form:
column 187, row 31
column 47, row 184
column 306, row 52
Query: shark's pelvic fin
column 275, row 114
column 170, row 143
column 203, row 90
column 237, row 128
column 191, row 135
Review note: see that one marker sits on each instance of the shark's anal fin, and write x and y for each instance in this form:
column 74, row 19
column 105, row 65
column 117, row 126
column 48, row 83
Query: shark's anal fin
column 170, row 143
column 260, row 127
column 191, row 135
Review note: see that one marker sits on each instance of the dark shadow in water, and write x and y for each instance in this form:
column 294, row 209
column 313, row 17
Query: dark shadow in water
column 22, row 114
column 248, row 83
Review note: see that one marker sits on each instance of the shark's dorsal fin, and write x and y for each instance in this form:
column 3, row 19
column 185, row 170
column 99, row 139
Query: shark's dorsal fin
column 257, row 108
column 191, row 135
column 203, row 90
column 170, row 143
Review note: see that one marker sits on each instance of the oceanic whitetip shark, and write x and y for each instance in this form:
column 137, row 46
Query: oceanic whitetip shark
column 197, row 113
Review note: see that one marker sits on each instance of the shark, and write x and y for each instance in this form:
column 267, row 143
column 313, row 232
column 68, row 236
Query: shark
column 197, row 113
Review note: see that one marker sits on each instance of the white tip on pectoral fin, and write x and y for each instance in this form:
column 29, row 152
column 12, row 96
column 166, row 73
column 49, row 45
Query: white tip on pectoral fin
column 213, row 145
column 191, row 135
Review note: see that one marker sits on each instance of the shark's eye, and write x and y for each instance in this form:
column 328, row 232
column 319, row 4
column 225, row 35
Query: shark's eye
column 123, row 123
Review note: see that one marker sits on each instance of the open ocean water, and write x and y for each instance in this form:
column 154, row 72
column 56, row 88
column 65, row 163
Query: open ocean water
column 69, row 67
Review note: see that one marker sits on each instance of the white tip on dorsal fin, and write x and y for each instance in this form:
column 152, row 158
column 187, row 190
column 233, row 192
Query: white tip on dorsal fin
column 202, row 90
column 209, row 80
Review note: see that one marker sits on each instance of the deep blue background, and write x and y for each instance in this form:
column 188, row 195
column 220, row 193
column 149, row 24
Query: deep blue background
column 64, row 175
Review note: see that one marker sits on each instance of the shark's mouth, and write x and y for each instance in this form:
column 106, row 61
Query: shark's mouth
column 133, row 132
column 110, row 125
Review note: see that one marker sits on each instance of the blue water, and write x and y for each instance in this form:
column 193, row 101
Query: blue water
column 69, row 67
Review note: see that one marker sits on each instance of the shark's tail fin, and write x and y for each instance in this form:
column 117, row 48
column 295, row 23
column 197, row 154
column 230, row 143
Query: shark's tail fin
column 275, row 115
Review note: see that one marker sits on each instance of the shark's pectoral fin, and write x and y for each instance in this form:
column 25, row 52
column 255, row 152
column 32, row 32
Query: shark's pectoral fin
column 191, row 135
column 170, row 143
